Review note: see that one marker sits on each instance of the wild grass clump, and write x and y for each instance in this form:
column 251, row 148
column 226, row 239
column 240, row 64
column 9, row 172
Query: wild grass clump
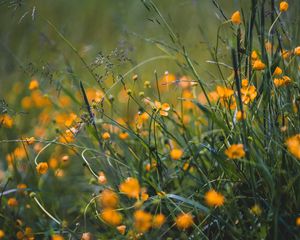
column 171, row 156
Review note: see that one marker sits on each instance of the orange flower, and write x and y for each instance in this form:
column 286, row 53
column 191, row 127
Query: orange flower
column 42, row 167
column 57, row 237
column 236, row 18
column 30, row 140
column 248, row 94
column 87, row 236
column 286, row 80
column 158, row 220
column 20, row 152
column 298, row 221
column 297, row 51
column 111, row 217
column 123, row 135
column 240, row 116
column 121, row 229
column 34, row 84
column 12, row 202
column 141, row 119
column 184, row 221
column 21, row 187
column 106, row 136
column 28, row 233
column 2, row 234
column 130, row 187
column 254, row 55
column 285, row 54
column 259, row 65
column 102, row 178
column 278, row 82
column 166, row 80
column 277, row 71
column 185, row 82
column 268, row 46
column 224, row 92
column 142, row 221
column 6, row 121
column 108, row 199
column 162, row 108
column 235, row 151
column 213, row 198
column 53, row 163
column 176, row 153
column 226, row 97
column 245, row 83
column 20, row 235
column 293, row 145
column 283, row 6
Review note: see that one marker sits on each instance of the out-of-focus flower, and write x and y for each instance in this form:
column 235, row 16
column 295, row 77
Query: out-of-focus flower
column 123, row 135
column 293, row 145
column 130, row 187
column 12, row 202
column 176, row 153
column 42, row 167
column 240, row 116
column 34, row 84
column 213, row 198
column 6, row 121
column 235, row 151
column 254, row 55
column 283, row 6
column 86, row 236
column 277, row 71
column 108, row 199
column 259, row 65
column 248, row 94
column 184, row 221
column 236, row 18
column 158, row 220
column 142, row 221
column 2, row 234
column 256, row 210
column 297, row 51
column 121, row 229
column 102, row 178
column 162, row 108
column 57, row 237
column 111, row 217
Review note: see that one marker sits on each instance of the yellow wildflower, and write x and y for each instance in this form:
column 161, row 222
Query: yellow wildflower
column 236, row 18
column 283, row 6
column 108, row 199
column 34, row 84
column 176, row 153
column 235, row 151
column 184, row 221
column 42, row 167
column 293, row 145
column 130, row 187
column 111, row 217
column 213, row 198
column 142, row 221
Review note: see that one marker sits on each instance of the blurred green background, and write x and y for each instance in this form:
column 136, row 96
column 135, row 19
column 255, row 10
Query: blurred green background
column 28, row 43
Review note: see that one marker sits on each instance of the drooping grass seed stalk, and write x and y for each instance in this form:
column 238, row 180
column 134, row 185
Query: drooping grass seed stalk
column 33, row 196
column 87, row 164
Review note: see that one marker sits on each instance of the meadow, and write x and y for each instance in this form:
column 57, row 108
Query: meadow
column 150, row 119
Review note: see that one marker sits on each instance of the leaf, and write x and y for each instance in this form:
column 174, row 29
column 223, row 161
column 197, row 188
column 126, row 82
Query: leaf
column 189, row 202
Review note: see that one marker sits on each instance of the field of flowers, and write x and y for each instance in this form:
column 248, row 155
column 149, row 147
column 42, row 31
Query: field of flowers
column 150, row 119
